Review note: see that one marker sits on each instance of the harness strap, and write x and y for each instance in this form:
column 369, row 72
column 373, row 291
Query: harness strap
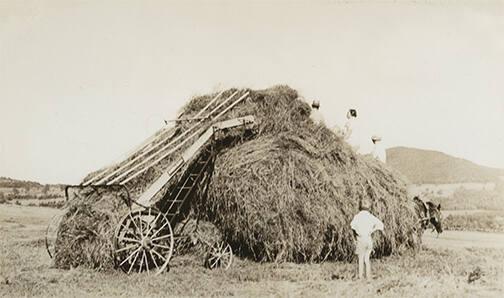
column 425, row 220
column 427, row 212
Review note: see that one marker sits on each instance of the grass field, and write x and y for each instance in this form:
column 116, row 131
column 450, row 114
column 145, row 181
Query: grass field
column 485, row 221
column 25, row 270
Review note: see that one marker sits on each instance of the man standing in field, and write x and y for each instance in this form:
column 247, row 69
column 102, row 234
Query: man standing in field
column 363, row 225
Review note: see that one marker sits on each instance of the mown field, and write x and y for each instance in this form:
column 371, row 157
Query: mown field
column 25, row 270
column 484, row 221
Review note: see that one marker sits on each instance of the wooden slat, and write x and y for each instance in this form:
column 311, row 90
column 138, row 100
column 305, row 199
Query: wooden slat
column 234, row 122
column 192, row 149
column 189, row 152
column 157, row 145
column 158, row 184
column 232, row 105
column 186, row 157
column 208, row 105
column 120, row 180
column 198, row 116
column 141, row 148
column 139, row 172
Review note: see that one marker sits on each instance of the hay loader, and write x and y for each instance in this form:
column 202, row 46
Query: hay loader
column 144, row 239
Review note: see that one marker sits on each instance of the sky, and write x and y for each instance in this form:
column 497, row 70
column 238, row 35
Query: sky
column 82, row 83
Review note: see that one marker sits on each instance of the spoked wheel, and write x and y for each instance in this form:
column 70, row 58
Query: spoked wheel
column 219, row 256
column 143, row 242
column 52, row 233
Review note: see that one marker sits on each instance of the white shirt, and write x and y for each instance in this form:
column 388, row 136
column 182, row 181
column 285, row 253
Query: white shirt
column 317, row 117
column 365, row 223
column 347, row 129
column 344, row 133
column 379, row 152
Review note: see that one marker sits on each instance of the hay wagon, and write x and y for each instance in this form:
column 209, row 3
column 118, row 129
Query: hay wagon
column 144, row 239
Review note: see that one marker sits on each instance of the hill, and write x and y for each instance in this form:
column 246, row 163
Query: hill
column 428, row 166
column 13, row 183
column 13, row 191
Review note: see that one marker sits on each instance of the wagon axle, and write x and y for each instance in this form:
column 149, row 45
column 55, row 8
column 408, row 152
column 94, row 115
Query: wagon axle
column 147, row 243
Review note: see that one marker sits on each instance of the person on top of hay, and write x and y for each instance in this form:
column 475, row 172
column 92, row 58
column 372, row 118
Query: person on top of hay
column 378, row 152
column 363, row 225
column 315, row 115
column 346, row 131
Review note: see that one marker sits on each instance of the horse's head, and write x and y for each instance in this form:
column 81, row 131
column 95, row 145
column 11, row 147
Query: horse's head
column 435, row 216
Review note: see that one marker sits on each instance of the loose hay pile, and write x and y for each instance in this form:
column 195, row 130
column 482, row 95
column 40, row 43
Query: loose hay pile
column 290, row 193
column 86, row 231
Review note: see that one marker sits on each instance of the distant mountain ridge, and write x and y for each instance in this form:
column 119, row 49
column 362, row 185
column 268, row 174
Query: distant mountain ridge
column 9, row 182
column 427, row 166
column 14, row 191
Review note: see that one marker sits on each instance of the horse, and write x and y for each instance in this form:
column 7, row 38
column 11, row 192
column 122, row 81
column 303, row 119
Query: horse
column 429, row 215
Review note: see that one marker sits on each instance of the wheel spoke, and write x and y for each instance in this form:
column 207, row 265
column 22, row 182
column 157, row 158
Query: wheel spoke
column 153, row 259
column 125, row 227
column 130, row 239
column 212, row 258
column 146, row 262
column 129, row 257
column 134, row 223
column 152, row 225
column 164, row 225
column 161, row 237
column 159, row 255
column 141, row 261
column 149, row 224
column 126, row 248
column 134, row 261
column 214, row 264
column 161, row 246
column 140, row 223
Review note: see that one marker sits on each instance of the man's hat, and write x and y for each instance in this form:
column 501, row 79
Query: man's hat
column 375, row 139
column 315, row 104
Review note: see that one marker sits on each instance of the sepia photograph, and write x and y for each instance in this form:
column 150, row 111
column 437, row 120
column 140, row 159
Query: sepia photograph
column 251, row 148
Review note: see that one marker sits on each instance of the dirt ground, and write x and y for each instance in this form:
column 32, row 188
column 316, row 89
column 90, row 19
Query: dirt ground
column 464, row 240
column 441, row 269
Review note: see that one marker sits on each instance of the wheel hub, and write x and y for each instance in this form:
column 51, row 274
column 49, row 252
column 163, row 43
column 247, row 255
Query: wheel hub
column 147, row 243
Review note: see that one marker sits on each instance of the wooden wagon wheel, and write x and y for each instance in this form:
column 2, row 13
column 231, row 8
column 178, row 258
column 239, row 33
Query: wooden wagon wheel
column 143, row 242
column 220, row 255
column 52, row 233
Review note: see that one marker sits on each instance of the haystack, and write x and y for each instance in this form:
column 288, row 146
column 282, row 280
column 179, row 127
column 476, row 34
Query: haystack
column 289, row 193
